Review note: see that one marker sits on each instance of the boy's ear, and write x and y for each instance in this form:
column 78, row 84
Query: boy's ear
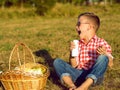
column 91, row 27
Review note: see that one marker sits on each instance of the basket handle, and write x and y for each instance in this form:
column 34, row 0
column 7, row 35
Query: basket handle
column 16, row 47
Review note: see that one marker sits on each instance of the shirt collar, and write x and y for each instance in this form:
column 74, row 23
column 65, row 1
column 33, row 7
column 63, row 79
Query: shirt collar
column 94, row 38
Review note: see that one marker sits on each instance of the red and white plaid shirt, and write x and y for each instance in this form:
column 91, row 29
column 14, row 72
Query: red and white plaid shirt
column 88, row 53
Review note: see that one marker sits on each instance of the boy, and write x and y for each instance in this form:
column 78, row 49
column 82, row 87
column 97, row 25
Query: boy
column 93, row 59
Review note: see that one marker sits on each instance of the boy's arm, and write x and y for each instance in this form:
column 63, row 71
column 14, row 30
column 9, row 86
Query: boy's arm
column 110, row 57
column 73, row 61
column 102, row 50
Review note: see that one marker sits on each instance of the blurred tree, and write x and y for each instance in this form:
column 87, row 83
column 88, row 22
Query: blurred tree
column 118, row 1
column 2, row 3
column 14, row 2
column 9, row 3
column 65, row 1
column 78, row 2
column 43, row 5
column 21, row 3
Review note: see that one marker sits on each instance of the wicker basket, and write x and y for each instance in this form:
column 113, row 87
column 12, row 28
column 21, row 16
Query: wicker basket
column 19, row 80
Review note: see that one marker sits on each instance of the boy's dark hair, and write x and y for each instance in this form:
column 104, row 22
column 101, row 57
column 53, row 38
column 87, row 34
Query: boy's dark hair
column 93, row 17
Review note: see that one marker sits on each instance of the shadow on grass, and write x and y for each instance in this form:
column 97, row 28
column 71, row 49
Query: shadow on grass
column 48, row 61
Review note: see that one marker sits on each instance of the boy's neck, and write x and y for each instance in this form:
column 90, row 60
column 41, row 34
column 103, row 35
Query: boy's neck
column 88, row 38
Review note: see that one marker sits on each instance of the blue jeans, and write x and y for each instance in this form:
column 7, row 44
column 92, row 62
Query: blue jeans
column 79, row 75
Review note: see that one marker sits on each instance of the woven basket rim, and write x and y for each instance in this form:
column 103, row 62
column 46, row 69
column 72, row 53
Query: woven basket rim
column 9, row 71
column 12, row 73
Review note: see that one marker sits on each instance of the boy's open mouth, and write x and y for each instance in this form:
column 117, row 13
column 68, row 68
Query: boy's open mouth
column 79, row 32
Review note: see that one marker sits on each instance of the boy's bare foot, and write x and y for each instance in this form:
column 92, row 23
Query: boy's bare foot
column 82, row 88
column 85, row 85
column 72, row 88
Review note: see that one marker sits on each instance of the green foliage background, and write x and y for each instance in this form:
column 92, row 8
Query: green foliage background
column 42, row 6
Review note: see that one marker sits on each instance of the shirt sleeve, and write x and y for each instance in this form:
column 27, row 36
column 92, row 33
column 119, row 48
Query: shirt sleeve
column 107, row 46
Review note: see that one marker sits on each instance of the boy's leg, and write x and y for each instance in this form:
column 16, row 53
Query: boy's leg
column 68, row 81
column 65, row 72
column 99, row 68
column 97, row 71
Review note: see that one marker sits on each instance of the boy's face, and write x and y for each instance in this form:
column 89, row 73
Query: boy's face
column 82, row 27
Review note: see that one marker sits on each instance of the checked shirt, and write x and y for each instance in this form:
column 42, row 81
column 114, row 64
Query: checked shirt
column 88, row 54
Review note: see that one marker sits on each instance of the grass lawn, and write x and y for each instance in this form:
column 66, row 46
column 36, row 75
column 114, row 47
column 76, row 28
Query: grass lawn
column 49, row 38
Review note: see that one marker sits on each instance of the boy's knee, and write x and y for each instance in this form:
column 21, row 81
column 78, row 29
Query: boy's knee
column 56, row 62
column 102, row 58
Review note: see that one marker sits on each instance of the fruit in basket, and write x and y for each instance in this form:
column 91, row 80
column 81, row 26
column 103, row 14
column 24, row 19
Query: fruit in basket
column 41, row 69
column 38, row 70
column 35, row 70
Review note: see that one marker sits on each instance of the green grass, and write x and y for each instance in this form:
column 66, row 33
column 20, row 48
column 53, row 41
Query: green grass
column 48, row 37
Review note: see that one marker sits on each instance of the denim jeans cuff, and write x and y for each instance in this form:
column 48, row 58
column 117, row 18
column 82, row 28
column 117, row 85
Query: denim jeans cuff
column 92, row 77
column 64, row 74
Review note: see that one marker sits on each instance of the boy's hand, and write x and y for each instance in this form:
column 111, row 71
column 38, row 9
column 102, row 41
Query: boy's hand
column 102, row 50
column 72, row 45
column 110, row 64
column 72, row 59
